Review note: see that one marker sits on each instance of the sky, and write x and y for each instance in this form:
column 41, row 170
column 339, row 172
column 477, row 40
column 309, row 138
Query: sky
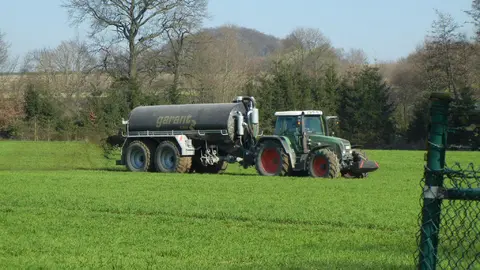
column 385, row 30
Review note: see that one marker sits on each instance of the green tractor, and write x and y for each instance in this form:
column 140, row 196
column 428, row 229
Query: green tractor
column 303, row 145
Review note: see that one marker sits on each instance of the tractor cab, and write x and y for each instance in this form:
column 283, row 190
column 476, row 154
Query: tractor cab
column 298, row 122
column 304, row 129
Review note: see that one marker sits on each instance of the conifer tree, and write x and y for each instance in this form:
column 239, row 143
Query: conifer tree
column 364, row 108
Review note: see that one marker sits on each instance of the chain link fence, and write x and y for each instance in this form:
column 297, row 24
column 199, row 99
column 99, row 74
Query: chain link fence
column 449, row 235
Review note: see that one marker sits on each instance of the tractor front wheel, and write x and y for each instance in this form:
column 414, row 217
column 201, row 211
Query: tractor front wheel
column 324, row 163
column 272, row 160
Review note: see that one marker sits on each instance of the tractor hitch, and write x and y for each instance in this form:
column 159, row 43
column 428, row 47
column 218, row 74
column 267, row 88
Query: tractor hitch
column 360, row 166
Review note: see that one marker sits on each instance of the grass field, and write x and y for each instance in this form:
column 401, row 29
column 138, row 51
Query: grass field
column 63, row 206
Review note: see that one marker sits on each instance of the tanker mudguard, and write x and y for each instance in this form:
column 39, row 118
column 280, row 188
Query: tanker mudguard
column 285, row 144
column 186, row 146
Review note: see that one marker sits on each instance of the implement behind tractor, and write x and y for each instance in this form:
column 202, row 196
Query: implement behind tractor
column 204, row 138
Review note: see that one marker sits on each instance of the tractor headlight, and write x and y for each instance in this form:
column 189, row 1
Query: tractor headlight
column 348, row 147
column 345, row 149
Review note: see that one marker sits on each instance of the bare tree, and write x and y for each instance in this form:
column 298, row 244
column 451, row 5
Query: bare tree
column 64, row 68
column 219, row 65
column 353, row 59
column 9, row 82
column 139, row 23
column 67, row 73
column 310, row 49
column 73, row 56
column 8, row 64
column 185, row 23
column 113, row 59
column 307, row 39
column 474, row 13
column 3, row 49
column 441, row 47
column 406, row 81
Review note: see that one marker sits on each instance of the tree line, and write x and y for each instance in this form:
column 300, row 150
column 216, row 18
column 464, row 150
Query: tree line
column 157, row 52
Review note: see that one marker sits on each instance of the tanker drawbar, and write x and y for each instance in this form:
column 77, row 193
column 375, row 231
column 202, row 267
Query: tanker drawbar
column 190, row 137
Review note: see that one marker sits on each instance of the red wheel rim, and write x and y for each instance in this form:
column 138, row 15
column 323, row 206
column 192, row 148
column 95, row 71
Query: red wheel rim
column 270, row 160
column 320, row 166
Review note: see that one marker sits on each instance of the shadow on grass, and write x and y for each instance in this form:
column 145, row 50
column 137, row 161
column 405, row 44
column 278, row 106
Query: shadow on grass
column 237, row 174
column 61, row 169
column 123, row 169
column 110, row 169
column 193, row 174
column 107, row 169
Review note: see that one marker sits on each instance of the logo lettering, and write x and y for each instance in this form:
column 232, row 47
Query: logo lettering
column 185, row 121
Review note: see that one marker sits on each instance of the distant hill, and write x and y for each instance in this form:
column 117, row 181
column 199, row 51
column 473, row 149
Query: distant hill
column 261, row 43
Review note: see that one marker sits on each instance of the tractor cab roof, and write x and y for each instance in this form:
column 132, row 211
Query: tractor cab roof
column 296, row 113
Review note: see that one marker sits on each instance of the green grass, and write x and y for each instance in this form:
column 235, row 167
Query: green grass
column 58, row 209
column 42, row 155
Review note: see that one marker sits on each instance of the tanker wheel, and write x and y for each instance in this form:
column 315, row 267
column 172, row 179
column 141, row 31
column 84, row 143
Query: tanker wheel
column 168, row 159
column 272, row 160
column 138, row 157
column 324, row 163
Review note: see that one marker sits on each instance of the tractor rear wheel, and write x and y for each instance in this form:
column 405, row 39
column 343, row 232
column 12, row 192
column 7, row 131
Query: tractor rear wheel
column 168, row 159
column 272, row 160
column 324, row 163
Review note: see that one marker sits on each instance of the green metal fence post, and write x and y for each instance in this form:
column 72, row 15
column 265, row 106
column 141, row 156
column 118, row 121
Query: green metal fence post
column 433, row 180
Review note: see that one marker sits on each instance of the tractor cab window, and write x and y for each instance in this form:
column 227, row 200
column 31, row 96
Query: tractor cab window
column 286, row 124
column 314, row 124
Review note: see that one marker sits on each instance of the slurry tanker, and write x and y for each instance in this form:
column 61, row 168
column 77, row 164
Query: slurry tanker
column 205, row 138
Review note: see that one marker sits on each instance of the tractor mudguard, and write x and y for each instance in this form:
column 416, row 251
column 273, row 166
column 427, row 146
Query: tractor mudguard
column 335, row 148
column 286, row 144
column 319, row 147
column 302, row 162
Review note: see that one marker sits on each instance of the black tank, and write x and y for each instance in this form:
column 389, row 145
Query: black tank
column 185, row 117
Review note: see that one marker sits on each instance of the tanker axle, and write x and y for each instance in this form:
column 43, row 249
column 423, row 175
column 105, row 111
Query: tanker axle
column 209, row 158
